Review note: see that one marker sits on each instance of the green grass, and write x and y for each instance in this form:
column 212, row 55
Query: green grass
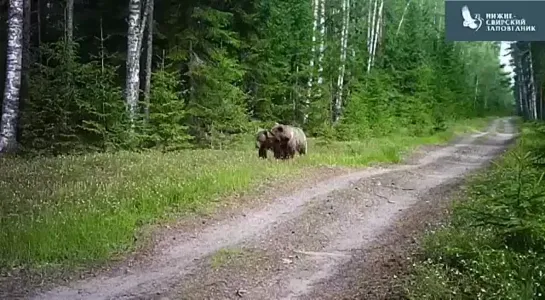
column 225, row 256
column 494, row 244
column 75, row 210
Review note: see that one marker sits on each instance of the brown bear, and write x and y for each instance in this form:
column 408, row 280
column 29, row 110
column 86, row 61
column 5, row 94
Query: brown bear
column 291, row 139
column 265, row 140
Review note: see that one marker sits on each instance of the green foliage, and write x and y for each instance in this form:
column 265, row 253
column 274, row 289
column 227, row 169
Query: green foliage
column 77, row 209
column 216, row 103
column 528, row 61
column 494, row 247
column 251, row 60
column 165, row 128
column 368, row 112
column 73, row 106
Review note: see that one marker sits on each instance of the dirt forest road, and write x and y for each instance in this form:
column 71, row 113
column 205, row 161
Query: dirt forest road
column 340, row 239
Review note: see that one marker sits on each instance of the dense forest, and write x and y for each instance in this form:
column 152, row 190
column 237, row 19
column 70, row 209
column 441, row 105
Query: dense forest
column 492, row 246
column 111, row 75
column 528, row 60
column 89, row 85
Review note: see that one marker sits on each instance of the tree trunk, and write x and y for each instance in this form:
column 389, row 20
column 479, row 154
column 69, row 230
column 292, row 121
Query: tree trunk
column 372, row 37
column 134, row 46
column 342, row 66
column 532, row 82
column 435, row 13
column 69, row 26
column 101, row 51
column 541, row 102
column 27, row 11
column 476, row 93
column 524, row 94
column 313, row 55
column 322, row 42
column 403, row 17
column 522, row 108
column 14, row 53
column 149, row 59
column 376, row 36
column 369, row 28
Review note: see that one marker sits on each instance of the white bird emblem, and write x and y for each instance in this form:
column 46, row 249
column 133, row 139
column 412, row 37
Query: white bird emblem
column 469, row 21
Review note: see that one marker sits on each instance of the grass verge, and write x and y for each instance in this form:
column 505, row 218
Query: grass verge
column 494, row 244
column 74, row 210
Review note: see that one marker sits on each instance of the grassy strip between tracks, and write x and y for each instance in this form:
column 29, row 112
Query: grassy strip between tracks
column 74, row 210
column 493, row 246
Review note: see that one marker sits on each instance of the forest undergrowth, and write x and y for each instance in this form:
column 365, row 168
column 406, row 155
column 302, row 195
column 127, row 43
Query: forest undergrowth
column 69, row 211
column 493, row 246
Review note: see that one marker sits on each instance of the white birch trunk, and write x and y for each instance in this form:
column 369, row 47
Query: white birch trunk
column 541, row 103
column 435, row 13
column 322, row 43
column 378, row 29
column 369, row 28
column 134, row 45
column 403, row 17
column 525, row 93
column 149, row 59
column 342, row 66
column 48, row 5
column 476, row 92
column 69, row 26
column 355, row 25
column 142, row 25
column 521, row 100
column 14, row 53
column 133, row 55
column 101, row 51
column 372, row 37
column 533, row 98
column 521, row 91
column 313, row 55
column 25, row 76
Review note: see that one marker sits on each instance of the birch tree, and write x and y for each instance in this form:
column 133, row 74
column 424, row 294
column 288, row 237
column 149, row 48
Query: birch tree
column 134, row 45
column 369, row 13
column 521, row 55
column 316, row 9
column 342, row 65
column 322, row 43
column 532, row 82
column 239, row 60
column 149, row 59
column 378, row 32
column 371, row 34
column 27, row 10
column 14, row 53
column 403, row 16
column 69, row 22
column 521, row 67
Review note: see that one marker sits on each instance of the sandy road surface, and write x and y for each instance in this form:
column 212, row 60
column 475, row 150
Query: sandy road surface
column 308, row 245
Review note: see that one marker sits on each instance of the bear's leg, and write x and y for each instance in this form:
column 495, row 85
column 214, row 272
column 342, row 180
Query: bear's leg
column 263, row 152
